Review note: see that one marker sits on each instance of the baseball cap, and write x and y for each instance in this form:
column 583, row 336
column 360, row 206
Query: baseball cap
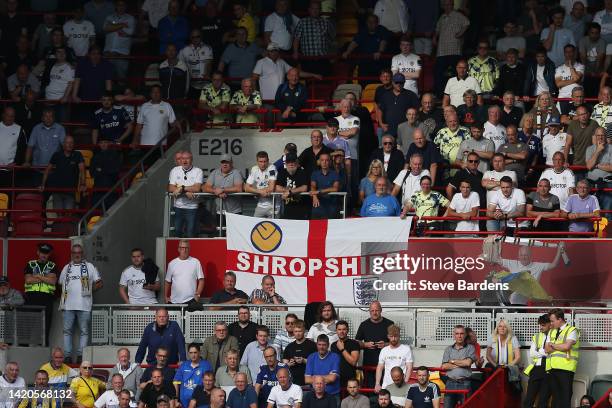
column 225, row 158
column 4, row 280
column 399, row 78
column 553, row 121
column 163, row 398
column 291, row 157
column 291, row 147
column 272, row 47
column 333, row 122
column 45, row 248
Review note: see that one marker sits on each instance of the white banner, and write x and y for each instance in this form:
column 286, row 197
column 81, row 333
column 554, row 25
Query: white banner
column 315, row 260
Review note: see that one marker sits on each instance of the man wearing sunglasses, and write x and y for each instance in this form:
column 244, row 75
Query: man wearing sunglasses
column 392, row 158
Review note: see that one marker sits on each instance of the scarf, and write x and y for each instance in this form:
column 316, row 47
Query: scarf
column 86, row 283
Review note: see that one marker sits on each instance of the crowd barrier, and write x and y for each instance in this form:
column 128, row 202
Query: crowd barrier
column 23, row 325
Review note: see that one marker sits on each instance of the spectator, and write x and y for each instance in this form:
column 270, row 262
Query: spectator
column 173, row 73
column 229, row 294
column 516, row 153
column 457, row 360
column 456, row 86
column 394, row 104
column 21, row 56
column 261, row 182
column 423, row 391
column 12, row 144
column 240, row 56
column 408, row 180
column 392, row 15
column 243, row 395
column 280, row 26
column 428, row 151
column 97, row 11
column 469, row 113
column 484, row 68
column 554, row 38
column 244, row 100
column 285, row 393
column 61, row 80
column 189, row 375
column 130, row 373
column 599, row 164
column 554, row 141
column 398, row 389
column 312, row 38
column 198, row 58
column 14, row 24
column 602, row 18
column 216, row 28
column 267, row 375
column 386, row 85
column 154, row 118
column 322, row 182
column 511, row 40
column 465, row 204
column 602, row 111
column 296, row 352
column 405, row 130
column 222, row 181
column 510, row 113
column 184, row 181
column 161, row 333
column 215, row 97
column 139, row 284
column 370, row 40
column 338, row 162
column 449, row 138
column 57, row 41
column 580, row 207
column 493, row 129
column 348, row 350
column 173, row 28
column 512, row 76
column 592, row 51
column 576, row 20
column 542, row 205
column 110, row 122
column 244, row 20
column 425, row 202
column 354, row 399
column 291, row 97
column 41, row 38
column 579, row 133
column 393, row 355
column 285, row 336
column 243, row 329
column 80, row 33
column 319, row 396
column 41, row 384
column 153, row 11
column 167, row 373
column 407, row 64
column 202, row 395
column 349, row 129
column 325, row 323
column 104, row 168
column 270, row 72
column 392, row 159
column 570, row 74
column 504, row 348
column 186, row 276
column 267, row 294
column 448, row 40
column 22, row 81
column 366, row 186
column 561, row 179
column 483, row 148
column 381, row 203
column 324, row 364
column 57, row 369
column 491, row 179
column 587, row 401
column 157, row 387
column 10, row 297
column 119, row 28
column 422, row 23
column 45, row 139
column 372, row 337
column 86, row 388
column 568, row 111
column 292, row 181
column 334, row 142
column 540, row 74
column 504, row 205
column 215, row 347
column 253, row 355
column 383, row 400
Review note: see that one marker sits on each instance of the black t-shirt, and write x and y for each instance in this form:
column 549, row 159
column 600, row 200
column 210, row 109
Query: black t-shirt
column 212, row 29
column 511, row 118
column 310, row 400
column 294, row 349
column 308, row 159
column 347, row 371
column 149, row 394
column 167, row 372
column 541, row 205
column 66, row 172
column 222, row 296
column 244, row 335
column 394, row 108
column 370, row 331
column 201, row 396
column 379, row 93
column 299, row 179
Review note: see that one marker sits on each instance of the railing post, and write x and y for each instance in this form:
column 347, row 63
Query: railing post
column 15, row 342
column 221, row 206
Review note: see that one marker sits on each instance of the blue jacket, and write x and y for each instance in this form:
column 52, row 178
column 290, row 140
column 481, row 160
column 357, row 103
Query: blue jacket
column 549, row 77
column 171, row 337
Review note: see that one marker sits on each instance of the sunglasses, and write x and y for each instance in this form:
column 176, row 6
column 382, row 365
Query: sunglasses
column 387, row 143
column 473, row 161
column 87, row 368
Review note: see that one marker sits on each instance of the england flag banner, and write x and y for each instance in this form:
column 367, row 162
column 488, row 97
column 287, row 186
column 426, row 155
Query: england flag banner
column 316, row 260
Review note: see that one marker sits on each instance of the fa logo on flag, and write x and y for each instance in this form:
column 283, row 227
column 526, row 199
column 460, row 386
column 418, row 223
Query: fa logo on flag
column 363, row 291
column 266, row 236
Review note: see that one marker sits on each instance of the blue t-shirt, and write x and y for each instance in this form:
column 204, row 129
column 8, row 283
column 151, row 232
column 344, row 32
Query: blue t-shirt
column 93, row 78
column 237, row 399
column 111, row 124
column 384, row 206
column 315, row 365
column 369, row 43
column 423, row 399
column 328, row 203
column 367, row 186
column 267, row 379
column 189, row 378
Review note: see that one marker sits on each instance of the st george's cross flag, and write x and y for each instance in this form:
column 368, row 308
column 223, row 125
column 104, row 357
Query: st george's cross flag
column 312, row 260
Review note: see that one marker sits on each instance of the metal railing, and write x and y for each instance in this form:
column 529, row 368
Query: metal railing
column 23, row 325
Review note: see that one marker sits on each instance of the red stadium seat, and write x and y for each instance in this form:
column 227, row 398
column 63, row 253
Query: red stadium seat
column 29, row 201
column 28, row 226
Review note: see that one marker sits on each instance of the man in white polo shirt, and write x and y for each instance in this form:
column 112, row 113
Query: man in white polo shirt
column 12, row 144
column 184, row 181
column 456, row 86
column 408, row 64
column 153, row 120
column 184, row 277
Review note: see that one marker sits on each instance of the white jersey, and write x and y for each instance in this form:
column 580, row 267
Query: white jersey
column 407, row 63
column 552, row 144
column 71, row 278
column 9, row 138
column 9, row 401
column 564, row 72
column 261, row 179
column 495, row 133
column 411, row 185
column 133, row 279
column 181, row 177
column 271, row 76
column 348, row 123
column 197, row 59
column 288, row 398
column 79, row 36
column 183, row 274
column 461, row 205
column 560, row 183
column 60, row 77
column 155, row 119
column 394, row 357
column 109, row 399
column 509, row 205
column 496, row 176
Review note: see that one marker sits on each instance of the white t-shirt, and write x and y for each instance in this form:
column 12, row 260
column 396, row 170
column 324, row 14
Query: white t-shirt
column 541, row 84
column 196, row 60
column 108, row 399
column 271, row 76
column 564, row 72
column 534, row 268
column 133, row 279
column 464, row 205
column 120, row 41
column 70, row 279
column 261, row 179
column 60, row 77
column 412, row 184
column 181, row 177
column 285, row 398
column 79, row 36
column 394, row 357
column 348, row 123
column 276, row 25
column 497, row 175
column 155, row 119
column 183, row 274
column 553, row 144
column 560, row 183
column 156, row 9
column 7, row 401
column 455, row 88
column 321, row 328
column 9, row 137
column 407, row 63
column 509, row 204
column 495, row 133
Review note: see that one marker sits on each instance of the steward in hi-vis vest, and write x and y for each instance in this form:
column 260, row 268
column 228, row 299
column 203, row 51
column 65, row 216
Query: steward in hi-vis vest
column 536, row 370
column 40, row 280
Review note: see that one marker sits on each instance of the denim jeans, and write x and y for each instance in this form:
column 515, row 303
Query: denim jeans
column 83, row 318
column 185, row 219
column 450, row 400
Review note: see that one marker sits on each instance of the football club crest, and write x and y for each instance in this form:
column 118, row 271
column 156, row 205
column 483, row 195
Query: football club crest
column 364, row 292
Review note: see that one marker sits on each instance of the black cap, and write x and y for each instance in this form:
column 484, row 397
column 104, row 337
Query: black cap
column 4, row 280
column 163, row 398
column 45, row 248
column 291, row 157
column 333, row 122
column 291, row 147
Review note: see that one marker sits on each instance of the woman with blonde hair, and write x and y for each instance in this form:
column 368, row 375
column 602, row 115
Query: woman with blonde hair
column 366, row 186
column 504, row 349
column 543, row 109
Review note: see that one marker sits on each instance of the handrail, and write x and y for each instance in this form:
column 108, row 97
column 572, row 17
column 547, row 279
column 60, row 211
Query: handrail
column 484, row 390
column 602, row 402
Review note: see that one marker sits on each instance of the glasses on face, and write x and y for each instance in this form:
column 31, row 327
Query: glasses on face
column 473, row 161
column 87, row 368
column 291, row 323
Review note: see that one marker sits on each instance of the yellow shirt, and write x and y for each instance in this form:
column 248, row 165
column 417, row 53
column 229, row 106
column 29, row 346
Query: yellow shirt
column 82, row 389
column 61, row 377
column 247, row 22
